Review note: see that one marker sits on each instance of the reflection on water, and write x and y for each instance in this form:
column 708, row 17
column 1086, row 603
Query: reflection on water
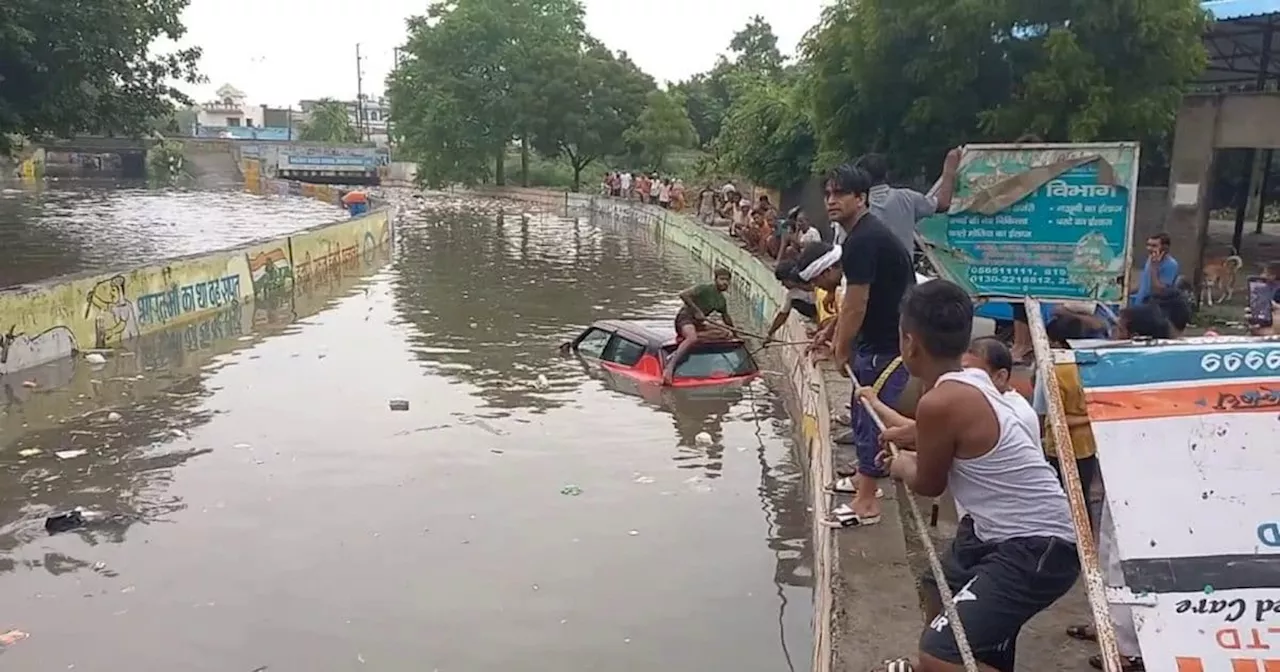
column 71, row 226
column 274, row 512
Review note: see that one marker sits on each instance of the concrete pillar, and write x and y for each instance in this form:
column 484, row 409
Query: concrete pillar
column 1189, row 179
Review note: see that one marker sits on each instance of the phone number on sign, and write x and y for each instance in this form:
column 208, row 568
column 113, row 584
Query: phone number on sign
column 1253, row 360
column 1019, row 275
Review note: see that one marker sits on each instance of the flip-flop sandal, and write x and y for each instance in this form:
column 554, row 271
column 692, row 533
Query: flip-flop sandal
column 1127, row 663
column 846, row 486
column 1082, row 633
column 897, row 665
column 843, row 517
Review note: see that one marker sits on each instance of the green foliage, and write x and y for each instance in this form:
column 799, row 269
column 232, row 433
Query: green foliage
column 768, row 136
column 664, row 126
column 473, row 78
column 588, row 103
column 911, row 78
column 708, row 96
column 328, row 121
column 88, row 66
column 165, row 164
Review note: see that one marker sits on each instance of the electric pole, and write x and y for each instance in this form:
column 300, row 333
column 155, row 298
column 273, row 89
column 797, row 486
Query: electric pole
column 359, row 95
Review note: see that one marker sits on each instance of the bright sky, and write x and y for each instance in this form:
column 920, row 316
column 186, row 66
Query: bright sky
column 281, row 51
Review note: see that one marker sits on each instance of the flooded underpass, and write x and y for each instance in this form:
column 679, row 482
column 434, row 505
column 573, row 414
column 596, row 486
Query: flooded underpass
column 61, row 227
column 270, row 511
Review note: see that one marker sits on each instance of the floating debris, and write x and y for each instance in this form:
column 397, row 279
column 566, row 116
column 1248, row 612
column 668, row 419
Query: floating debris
column 12, row 637
column 95, row 358
column 113, row 417
column 178, row 433
column 28, row 452
column 542, row 383
column 702, row 439
column 30, row 383
column 571, row 490
column 643, row 479
column 399, row 404
column 70, row 454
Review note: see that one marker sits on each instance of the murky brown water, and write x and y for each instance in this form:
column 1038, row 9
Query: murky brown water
column 277, row 515
column 71, row 226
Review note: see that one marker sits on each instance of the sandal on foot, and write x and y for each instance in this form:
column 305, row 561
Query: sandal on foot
column 846, row 486
column 1127, row 663
column 843, row 516
column 1083, row 633
column 896, row 665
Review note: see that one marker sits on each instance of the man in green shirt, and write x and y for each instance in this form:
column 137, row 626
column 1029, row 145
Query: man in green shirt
column 691, row 322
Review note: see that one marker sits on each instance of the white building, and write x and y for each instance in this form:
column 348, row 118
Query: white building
column 229, row 110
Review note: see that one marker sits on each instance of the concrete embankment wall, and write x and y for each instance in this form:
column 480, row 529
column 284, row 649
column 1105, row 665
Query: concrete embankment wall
column 46, row 321
column 808, row 403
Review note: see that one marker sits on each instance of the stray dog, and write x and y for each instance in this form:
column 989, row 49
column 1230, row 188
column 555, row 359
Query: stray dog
column 1220, row 277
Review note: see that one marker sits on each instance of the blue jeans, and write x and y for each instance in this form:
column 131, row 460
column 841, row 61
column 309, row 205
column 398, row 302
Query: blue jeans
column 867, row 367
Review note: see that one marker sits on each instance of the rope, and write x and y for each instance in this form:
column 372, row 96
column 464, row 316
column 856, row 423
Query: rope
column 944, row 590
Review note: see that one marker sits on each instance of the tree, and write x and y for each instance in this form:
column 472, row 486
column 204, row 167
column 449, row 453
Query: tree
column 328, row 121
column 589, row 103
column 709, row 95
column 662, row 126
column 768, row 136
column 911, row 78
column 88, row 67
column 473, row 71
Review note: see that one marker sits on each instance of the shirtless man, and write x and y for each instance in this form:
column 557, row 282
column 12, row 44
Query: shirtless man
column 1014, row 553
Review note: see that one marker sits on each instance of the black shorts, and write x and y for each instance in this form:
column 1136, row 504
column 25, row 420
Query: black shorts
column 683, row 317
column 805, row 308
column 998, row 587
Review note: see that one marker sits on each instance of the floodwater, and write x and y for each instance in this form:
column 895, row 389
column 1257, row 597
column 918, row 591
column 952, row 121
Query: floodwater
column 272, row 512
column 62, row 227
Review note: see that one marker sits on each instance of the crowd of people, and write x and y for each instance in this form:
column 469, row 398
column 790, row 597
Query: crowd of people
column 665, row 192
column 973, row 432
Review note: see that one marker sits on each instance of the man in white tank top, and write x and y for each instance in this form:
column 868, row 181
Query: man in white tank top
column 1014, row 553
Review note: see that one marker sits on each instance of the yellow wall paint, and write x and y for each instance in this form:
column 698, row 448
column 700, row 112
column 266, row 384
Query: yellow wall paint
column 46, row 321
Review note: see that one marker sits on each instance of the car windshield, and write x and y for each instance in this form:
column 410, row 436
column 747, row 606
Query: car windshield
column 717, row 361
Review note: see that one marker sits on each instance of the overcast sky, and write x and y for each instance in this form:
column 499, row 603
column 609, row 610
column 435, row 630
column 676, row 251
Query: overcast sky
column 281, row 51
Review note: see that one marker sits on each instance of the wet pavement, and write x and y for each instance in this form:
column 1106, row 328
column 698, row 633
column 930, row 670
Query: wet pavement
column 274, row 513
column 61, row 227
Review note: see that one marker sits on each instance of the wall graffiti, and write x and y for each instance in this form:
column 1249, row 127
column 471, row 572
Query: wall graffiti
column 173, row 303
column 270, row 271
column 326, row 264
column 19, row 351
column 113, row 314
column 169, row 345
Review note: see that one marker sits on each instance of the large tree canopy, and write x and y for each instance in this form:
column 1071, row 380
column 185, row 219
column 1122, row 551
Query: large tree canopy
column 663, row 126
column 913, row 77
column 590, row 100
column 476, row 75
column 87, row 66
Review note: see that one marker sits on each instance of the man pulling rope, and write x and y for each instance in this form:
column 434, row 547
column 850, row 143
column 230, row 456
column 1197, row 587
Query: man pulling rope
column 1014, row 553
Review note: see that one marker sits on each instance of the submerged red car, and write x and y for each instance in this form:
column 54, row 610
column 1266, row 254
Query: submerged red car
column 639, row 349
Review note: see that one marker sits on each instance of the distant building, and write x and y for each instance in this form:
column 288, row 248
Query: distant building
column 376, row 117
column 231, row 117
column 229, row 111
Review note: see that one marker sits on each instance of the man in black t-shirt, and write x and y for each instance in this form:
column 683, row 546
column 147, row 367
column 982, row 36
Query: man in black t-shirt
column 877, row 271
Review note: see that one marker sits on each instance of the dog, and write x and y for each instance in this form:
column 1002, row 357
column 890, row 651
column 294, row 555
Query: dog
column 1220, row 277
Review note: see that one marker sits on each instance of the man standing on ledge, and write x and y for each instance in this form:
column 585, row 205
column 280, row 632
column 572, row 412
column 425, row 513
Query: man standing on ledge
column 877, row 271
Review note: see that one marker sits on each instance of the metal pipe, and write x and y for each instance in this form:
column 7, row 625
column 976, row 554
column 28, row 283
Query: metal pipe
column 1085, row 545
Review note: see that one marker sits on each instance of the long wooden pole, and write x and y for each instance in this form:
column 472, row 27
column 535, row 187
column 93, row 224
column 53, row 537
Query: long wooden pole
column 1085, row 545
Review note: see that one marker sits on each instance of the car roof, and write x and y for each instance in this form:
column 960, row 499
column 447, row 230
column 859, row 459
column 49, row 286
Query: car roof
column 652, row 333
